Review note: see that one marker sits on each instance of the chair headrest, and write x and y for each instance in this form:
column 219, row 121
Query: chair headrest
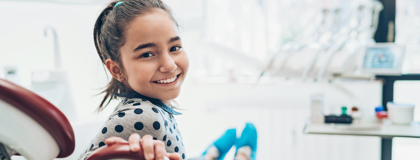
column 43, row 112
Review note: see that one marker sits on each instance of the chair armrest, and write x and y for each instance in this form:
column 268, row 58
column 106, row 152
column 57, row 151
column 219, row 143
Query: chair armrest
column 117, row 151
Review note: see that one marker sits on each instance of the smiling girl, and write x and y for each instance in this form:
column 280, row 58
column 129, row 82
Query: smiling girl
column 139, row 43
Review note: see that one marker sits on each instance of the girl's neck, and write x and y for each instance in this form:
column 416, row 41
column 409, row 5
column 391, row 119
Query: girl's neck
column 167, row 102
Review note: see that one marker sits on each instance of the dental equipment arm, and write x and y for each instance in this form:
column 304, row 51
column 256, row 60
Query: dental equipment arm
column 342, row 44
column 376, row 9
column 334, row 42
column 300, row 43
column 324, row 68
column 324, row 47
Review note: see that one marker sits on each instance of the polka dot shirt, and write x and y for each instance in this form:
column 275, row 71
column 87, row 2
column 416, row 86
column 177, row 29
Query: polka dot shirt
column 142, row 115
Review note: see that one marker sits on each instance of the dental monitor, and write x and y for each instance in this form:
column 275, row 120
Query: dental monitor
column 382, row 59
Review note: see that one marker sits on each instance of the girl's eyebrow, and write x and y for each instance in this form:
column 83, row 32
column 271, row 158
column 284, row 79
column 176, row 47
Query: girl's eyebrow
column 147, row 45
column 141, row 46
column 174, row 39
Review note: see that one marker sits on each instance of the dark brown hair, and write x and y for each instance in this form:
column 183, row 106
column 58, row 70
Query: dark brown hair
column 109, row 35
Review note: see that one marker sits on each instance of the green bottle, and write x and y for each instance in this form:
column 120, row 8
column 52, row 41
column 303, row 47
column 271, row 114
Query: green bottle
column 343, row 110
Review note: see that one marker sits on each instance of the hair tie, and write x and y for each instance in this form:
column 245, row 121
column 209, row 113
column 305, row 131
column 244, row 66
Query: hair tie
column 118, row 3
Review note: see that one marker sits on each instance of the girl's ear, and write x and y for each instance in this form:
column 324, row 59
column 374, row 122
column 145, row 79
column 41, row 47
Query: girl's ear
column 115, row 70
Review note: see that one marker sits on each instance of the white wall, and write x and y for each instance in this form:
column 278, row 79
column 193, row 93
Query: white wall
column 22, row 43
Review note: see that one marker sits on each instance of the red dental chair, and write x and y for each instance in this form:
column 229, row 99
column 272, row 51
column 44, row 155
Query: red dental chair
column 34, row 128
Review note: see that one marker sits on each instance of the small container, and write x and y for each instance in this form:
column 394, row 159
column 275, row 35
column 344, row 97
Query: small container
column 379, row 108
column 356, row 115
column 400, row 114
column 382, row 115
column 344, row 111
column 317, row 105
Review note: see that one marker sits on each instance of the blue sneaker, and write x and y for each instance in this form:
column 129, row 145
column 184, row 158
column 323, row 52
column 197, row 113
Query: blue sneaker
column 224, row 143
column 248, row 138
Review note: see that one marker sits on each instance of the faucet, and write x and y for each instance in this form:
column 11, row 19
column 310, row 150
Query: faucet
column 57, row 58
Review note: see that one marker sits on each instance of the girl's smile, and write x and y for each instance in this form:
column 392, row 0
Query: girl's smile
column 170, row 80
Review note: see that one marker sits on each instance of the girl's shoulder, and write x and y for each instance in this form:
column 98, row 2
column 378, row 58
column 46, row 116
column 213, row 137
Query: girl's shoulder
column 136, row 115
column 133, row 104
column 132, row 98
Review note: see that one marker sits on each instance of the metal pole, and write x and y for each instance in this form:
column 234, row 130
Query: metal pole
column 386, row 149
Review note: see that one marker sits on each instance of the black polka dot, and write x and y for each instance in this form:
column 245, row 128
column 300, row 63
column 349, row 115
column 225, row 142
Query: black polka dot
column 170, row 119
column 176, row 149
column 101, row 144
column 155, row 110
column 154, row 138
column 170, row 129
column 156, row 125
column 91, row 146
column 138, row 125
column 183, row 156
column 168, row 143
column 138, row 111
column 164, row 138
column 104, row 130
column 177, row 139
column 136, row 104
column 166, row 123
column 174, row 126
column 163, row 111
column 119, row 128
column 143, row 99
column 121, row 114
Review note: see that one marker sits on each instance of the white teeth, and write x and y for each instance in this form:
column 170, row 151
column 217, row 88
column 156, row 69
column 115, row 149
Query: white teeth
column 167, row 80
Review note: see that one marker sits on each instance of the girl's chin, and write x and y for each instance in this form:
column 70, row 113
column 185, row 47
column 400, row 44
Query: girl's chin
column 169, row 96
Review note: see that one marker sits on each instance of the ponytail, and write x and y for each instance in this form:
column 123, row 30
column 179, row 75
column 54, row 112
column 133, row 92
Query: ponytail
column 114, row 86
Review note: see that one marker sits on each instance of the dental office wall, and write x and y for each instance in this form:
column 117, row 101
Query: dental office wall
column 210, row 101
column 24, row 45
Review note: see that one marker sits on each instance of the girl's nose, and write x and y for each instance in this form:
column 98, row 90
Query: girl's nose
column 167, row 63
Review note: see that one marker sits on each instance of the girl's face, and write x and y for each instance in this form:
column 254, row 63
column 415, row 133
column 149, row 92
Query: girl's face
column 153, row 58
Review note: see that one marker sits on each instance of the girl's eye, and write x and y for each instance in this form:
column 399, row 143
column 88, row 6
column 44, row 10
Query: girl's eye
column 175, row 48
column 146, row 55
